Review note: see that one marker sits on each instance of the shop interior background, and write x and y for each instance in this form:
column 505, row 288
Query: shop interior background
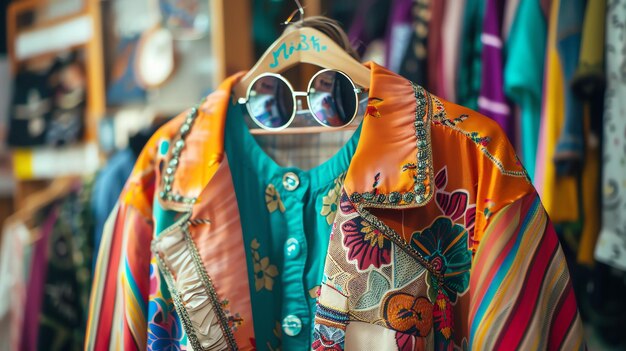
column 84, row 84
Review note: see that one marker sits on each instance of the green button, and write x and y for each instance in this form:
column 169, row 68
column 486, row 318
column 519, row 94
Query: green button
column 292, row 325
column 292, row 248
column 291, row 181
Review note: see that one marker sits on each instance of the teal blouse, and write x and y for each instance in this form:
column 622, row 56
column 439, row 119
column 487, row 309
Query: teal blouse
column 286, row 215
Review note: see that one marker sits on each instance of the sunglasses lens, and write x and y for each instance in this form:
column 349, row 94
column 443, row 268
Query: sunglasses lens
column 332, row 99
column 270, row 102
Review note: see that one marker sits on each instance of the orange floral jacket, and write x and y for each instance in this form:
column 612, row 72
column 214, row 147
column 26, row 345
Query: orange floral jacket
column 440, row 241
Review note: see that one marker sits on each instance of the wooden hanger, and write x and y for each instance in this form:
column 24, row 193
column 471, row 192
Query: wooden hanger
column 58, row 188
column 303, row 45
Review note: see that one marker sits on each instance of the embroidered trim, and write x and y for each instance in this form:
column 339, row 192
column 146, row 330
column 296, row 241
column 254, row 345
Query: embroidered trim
column 500, row 166
column 440, row 118
column 168, row 173
column 331, row 317
column 398, row 240
column 424, row 174
column 178, row 304
column 199, row 221
column 207, row 284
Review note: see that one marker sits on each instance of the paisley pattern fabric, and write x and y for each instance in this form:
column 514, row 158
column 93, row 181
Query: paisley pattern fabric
column 422, row 233
column 611, row 247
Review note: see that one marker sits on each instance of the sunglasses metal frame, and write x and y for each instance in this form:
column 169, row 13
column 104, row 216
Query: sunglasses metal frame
column 295, row 94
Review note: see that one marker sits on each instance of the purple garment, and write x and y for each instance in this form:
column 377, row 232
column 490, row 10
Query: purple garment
column 35, row 287
column 369, row 23
column 398, row 33
column 492, row 101
column 357, row 33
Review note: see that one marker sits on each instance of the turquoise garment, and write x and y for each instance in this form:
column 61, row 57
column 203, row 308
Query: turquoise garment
column 468, row 80
column 161, row 310
column 286, row 233
column 286, row 215
column 525, row 52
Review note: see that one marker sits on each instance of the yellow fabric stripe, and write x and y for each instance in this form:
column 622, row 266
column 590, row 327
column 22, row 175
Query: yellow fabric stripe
column 102, row 263
column 546, row 306
column 511, row 285
column 501, row 238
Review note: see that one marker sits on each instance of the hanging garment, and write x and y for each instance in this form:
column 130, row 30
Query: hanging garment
column 558, row 195
column 568, row 155
column 62, row 318
column 590, row 194
column 511, row 8
column 451, row 33
column 398, row 35
column 588, row 85
column 14, row 251
column 368, row 24
column 31, row 108
column 492, row 101
column 124, row 87
column 435, row 47
column 107, row 188
column 67, row 124
column 611, row 247
column 523, row 74
column 423, row 231
column 414, row 62
column 48, row 106
column 470, row 61
column 36, row 281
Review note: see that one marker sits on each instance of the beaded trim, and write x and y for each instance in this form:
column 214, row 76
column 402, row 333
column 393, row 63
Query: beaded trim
column 180, row 308
column 168, row 173
column 199, row 221
column 423, row 189
column 441, row 118
column 208, row 285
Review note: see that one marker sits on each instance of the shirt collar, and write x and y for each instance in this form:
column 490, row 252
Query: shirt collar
column 391, row 167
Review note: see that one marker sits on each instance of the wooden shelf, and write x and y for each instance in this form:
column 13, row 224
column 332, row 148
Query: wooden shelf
column 27, row 43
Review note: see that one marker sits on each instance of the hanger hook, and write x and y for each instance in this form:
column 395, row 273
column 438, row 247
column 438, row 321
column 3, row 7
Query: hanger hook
column 299, row 10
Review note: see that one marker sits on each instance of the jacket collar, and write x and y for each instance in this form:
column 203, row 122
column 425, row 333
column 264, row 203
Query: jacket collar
column 391, row 168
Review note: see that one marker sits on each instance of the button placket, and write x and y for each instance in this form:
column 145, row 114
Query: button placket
column 292, row 248
column 292, row 325
column 296, row 310
column 291, row 181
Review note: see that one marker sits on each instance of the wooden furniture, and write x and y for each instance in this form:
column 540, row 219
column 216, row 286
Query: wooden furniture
column 28, row 21
column 40, row 39
column 231, row 34
column 38, row 31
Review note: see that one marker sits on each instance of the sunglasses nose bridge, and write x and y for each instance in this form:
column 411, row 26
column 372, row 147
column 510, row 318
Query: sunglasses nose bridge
column 300, row 93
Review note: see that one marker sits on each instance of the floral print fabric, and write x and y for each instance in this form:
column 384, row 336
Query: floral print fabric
column 264, row 272
column 391, row 263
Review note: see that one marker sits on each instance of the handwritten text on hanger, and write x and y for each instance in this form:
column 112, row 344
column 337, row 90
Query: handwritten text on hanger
column 305, row 44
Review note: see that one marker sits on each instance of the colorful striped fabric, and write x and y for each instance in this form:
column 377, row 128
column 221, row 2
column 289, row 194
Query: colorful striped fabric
column 438, row 241
column 521, row 295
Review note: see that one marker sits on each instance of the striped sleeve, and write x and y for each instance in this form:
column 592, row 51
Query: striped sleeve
column 521, row 294
column 118, row 304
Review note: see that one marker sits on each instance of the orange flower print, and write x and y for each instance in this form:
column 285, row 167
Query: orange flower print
column 372, row 107
column 408, row 314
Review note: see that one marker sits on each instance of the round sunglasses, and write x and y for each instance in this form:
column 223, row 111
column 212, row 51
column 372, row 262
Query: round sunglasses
column 331, row 95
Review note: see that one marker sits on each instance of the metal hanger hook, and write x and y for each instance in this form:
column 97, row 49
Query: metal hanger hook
column 299, row 10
